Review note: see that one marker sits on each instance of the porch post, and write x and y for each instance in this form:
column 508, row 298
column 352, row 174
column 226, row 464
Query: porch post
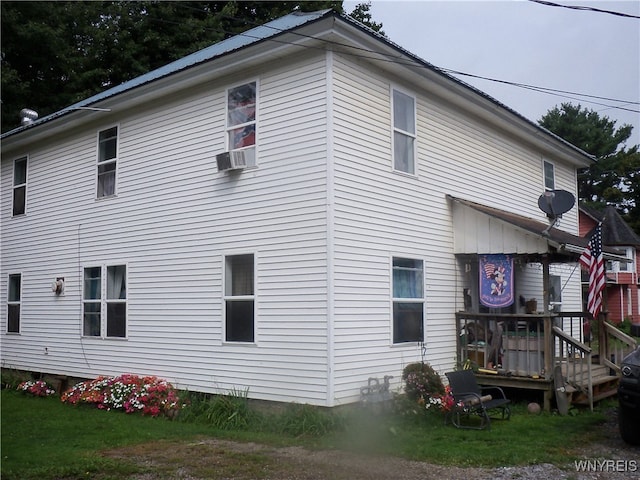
column 548, row 335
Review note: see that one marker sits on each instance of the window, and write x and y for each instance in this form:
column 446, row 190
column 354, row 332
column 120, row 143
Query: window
column 19, row 186
column 241, row 120
column 408, row 300
column 107, row 161
column 555, row 289
column 630, row 266
column 404, row 132
column 549, row 176
column 97, row 306
column 13, row 303
column 239, row 298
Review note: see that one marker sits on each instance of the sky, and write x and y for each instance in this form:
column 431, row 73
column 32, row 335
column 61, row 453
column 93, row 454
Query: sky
column 524, row 42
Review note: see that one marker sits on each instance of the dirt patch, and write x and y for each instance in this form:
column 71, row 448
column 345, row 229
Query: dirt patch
column 221, row 459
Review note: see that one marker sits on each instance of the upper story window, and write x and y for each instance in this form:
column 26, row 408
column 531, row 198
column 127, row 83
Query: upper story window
column 549, row 176
column 408, row 300
column 19, row 186
column 13, row 303
column 614, row 266
column 630, row 266
column 404, row 132
column 107, row 162
column 105, row 301
column 241, row 120
column 239, row 298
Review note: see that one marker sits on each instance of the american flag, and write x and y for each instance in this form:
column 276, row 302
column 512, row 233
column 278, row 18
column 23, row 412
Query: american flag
column 592, row 260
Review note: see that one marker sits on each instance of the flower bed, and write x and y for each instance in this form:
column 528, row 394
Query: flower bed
column 129, row 393
column 38, row 388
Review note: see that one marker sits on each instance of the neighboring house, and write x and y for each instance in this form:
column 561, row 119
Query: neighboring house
column 373, row 186
column 623, row 284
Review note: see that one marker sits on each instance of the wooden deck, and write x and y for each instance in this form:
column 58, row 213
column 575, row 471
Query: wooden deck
column 522, row 352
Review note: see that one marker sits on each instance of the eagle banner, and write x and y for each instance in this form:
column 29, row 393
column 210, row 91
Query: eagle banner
column 496, row 280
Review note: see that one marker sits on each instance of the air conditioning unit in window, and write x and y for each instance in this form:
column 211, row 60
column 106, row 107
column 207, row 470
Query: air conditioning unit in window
column 233, row 160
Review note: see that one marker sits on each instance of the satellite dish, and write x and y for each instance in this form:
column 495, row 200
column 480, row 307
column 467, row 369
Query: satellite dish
column 556, row 202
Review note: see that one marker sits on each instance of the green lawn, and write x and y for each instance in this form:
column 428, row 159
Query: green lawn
column 45, row 439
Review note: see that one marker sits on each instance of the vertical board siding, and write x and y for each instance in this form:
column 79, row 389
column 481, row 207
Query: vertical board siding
column 380, row 214
column 173, row 219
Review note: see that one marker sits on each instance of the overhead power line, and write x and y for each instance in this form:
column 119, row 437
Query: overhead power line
column 390, row 58
column 590, row 9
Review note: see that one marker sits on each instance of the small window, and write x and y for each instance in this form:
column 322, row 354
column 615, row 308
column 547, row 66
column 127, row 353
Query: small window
column 107, row 162
column 404, row 132
column 239, row 298
column 628, row 266
column 241, row 120
column 549, row 176
column 408, row 300
column 19, row 186
column 112, row 307
column 555, row 289
column 13, row 303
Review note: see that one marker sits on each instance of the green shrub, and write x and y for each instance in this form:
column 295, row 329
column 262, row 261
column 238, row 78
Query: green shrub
column 306, row 420
column 421, row 381
column 225, row 412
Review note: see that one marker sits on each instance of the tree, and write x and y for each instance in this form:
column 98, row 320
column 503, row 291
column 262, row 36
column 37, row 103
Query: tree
column 614, row 178
column 57, row 53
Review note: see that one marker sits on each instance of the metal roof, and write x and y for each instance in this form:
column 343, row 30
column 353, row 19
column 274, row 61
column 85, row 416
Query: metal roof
column 231, row 44
column 264, row 32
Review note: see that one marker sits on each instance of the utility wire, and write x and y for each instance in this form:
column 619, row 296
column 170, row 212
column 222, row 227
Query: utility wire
column 590, row 9
column 400, row 61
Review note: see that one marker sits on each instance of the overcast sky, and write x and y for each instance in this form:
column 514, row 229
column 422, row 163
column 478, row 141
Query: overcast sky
column 525, row 42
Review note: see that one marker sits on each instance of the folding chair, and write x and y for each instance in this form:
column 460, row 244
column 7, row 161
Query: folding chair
column 470, row 401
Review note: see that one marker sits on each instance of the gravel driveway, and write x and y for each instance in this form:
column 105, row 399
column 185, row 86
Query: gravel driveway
column 611, row 459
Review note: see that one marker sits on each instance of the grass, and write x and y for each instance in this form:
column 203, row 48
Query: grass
column 45, row 439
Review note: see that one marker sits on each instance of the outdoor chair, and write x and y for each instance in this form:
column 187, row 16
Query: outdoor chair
column 473, row 404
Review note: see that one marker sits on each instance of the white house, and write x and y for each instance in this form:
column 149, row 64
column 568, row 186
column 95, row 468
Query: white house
column 339, row 249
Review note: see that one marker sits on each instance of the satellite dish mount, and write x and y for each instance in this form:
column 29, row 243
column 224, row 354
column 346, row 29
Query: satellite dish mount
column 554, row 203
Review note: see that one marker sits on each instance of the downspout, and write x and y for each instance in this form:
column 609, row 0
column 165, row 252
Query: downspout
column 330, row 198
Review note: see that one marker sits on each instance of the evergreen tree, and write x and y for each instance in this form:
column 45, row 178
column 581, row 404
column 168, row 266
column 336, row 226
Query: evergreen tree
column 57, row 53
column 614, row 178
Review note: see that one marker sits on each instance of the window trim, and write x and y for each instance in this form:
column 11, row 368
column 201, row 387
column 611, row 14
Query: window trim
column 228, row 128
column 114, row 161
column 417, row 300
column 546, row 162
column 413, row 136
column 15, row 186
column 14, row 302
column 226, row 297
column 104, row 301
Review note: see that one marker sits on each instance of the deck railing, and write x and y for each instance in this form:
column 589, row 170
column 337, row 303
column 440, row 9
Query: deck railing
column 515, row 344
column 614, row 346
column 574, row 359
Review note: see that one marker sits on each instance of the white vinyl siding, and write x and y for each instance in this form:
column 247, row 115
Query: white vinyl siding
column 171, row 222
column 323, row 217
column 377, row 212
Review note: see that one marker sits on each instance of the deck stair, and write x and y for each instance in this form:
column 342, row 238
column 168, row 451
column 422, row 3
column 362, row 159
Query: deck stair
column 604, row 384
